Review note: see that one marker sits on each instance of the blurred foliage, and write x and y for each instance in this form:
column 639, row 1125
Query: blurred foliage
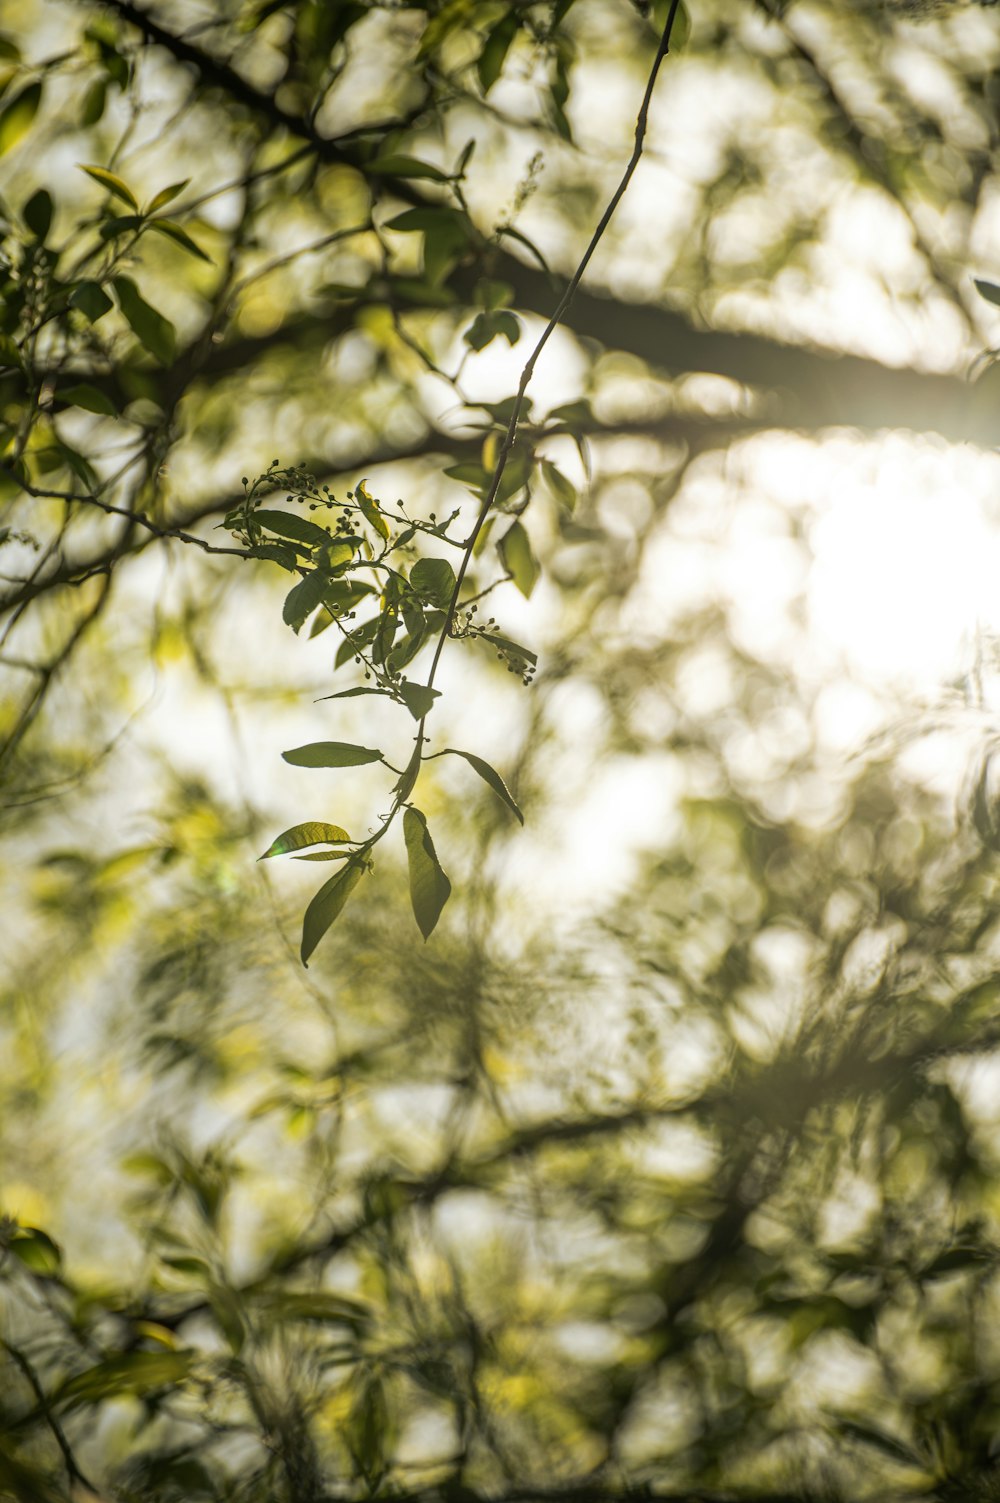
column 667, row 1167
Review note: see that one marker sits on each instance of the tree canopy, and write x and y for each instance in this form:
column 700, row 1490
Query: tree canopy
column 419, row 427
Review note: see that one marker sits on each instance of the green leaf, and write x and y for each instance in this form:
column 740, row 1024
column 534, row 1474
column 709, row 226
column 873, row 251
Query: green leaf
column 352, row 645
column 368, row 1433
column 429, row 887
column 488, row 774
column 278, row 553
column 16, row 117
column 452, row 15
column 314, row 1305
column 989, row 290
column 486, row 326
column 370, row 509
column 397, row 164
column 136, row 1373
column 166, row 196
column 423, row 293
column 516, row 474
column 91, row 299
column 519, row 561
column 562, row 489
column 113, row 183
column 419, row 700
column 180, row 237
column 447, row 233
column 10, row 356
column 491, row 295
column 123, row 224
column 682, row 23
column 93, row 102
column 573, row 415
column 339, row 553
column 37, row 214
column 354, row 693
column 471, row 474
column 155, row 332
column 495, row 49
column 88, row 397
column 514, row 649
column 413, row 615
column 313, row 832
column 331, row 754
column 288, row 525
column 327, row 904
column 36, row 1250
column 406, row 651
column 388, row 621
column 322, row 856
column 897, row 1450
column 434, row 580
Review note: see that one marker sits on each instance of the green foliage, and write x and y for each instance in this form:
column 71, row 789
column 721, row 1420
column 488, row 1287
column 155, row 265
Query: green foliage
column 664, row 1167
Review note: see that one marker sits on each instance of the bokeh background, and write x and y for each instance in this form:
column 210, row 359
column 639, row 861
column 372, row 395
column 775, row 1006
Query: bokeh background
column 667, row 1167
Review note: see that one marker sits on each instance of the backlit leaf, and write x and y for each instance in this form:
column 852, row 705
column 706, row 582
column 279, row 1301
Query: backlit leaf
column 989, row 290
column 326, row 906
column 88, row 397
column 419, row 700
column 135, row 1373
column 331, row 754
column 152, row 330
column 370, row 509
column 313, row 832
column 166, row 196
column 519, row 561
column 489, row 775
column 37, row 213
column 16, row 117
column 113, row 183
column 91, row 299
column 397, row 164
column 179, row 236
column 495, row 49
column 36, row 1250
column 287, row 524
column 434, row 579
column 429, row 887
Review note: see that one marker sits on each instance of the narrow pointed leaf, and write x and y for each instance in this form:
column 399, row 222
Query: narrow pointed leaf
column 113, row 183
column 989, row 290
column 429, row 887
column 514, row 649
column 489, row 775
column 179, row 236
column 16, row 117
column 327, row 905
column 166, row 196
column 313, row 832
column 398, row 164
column 497, row 45
column 353, row 694
column 150, row 328
column 519, row 561
column 370, row 509
column 331, row 754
